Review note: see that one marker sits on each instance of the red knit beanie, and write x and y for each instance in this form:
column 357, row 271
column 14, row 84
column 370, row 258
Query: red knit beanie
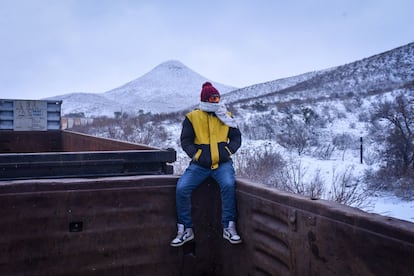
column 207, row 91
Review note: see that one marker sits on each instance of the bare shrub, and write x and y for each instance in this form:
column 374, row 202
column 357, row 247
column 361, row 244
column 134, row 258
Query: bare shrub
column 354, row 103
column 316, row 186
column 324, row 151
column 348, row 190
column 295, row 136
column 344, row 141
column 370, row 157
column 293, row 179
column 259, row 166
column 376, row 179
column 144, row 129
column 260, row 127
column 405, row 186
column 363, row 116
column 395, row 121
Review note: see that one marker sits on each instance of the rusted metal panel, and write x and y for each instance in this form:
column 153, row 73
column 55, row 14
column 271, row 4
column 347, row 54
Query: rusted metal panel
column 30, row 141
column 73, row 141
column 293, row 235
column 60, row 141
column 61, row 154
column 123, row 226
column 85, row 164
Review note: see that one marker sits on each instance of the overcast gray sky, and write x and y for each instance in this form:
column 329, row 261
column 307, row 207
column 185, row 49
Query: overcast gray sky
column 53, row 47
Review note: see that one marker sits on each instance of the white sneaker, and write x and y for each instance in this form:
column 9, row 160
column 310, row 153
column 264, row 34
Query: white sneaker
column 183, row 236
column 230, row 233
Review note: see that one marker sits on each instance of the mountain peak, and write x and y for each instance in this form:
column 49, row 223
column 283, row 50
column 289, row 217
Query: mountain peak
column 170, row 86
column 170, row 68
column 172, row 64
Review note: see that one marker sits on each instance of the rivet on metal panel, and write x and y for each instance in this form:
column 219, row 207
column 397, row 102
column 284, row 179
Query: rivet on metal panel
column 75, row 226
column 292, row 219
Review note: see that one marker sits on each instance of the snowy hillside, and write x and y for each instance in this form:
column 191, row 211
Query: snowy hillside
column 170, row 86
column 261, row 89
column 375, row 75
column 87, row 103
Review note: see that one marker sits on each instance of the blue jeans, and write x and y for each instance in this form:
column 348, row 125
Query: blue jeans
column 193, row 176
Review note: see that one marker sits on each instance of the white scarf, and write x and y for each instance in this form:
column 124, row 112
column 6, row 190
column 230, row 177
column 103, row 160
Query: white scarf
column 221, row 112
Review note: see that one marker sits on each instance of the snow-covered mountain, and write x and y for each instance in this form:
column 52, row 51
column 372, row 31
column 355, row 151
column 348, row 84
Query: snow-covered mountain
column 261, row 89
column 378, row 74
column 88, row 104
column 169, row 87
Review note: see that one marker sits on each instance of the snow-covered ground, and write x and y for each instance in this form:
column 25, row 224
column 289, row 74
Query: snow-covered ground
column 389, row 205
column 382, row 203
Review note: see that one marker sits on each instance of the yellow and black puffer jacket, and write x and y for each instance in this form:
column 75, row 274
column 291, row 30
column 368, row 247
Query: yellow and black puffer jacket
column 207, row 140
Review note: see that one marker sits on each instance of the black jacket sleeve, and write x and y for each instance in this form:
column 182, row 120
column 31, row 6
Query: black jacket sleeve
column 187, row 138
column 234, row 139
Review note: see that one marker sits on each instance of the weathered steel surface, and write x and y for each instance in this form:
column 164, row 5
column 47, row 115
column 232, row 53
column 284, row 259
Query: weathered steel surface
column 109, row 226
column 60, row 154
column 292, row 235
column 123, row 226
column 60, row 141
column 73, row 141
column 30, row 141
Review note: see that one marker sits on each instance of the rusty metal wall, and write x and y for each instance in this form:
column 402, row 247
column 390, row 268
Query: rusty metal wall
column 59, row 141
column 62, row 154
column 108, row 226
column 74, row 141
column 288, row 234
column 123, row 226
column 30, row 141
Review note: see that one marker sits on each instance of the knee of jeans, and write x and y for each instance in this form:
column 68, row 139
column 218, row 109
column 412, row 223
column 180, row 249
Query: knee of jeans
column 182, row 190
column 228, row 184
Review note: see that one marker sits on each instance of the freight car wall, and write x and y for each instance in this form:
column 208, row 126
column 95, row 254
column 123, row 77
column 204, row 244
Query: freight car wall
column 123, row 226
column 103, row 226
column 60, row 141
column 63, row 154
column 30, row 141
column 288, row 234
column 73, row 141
